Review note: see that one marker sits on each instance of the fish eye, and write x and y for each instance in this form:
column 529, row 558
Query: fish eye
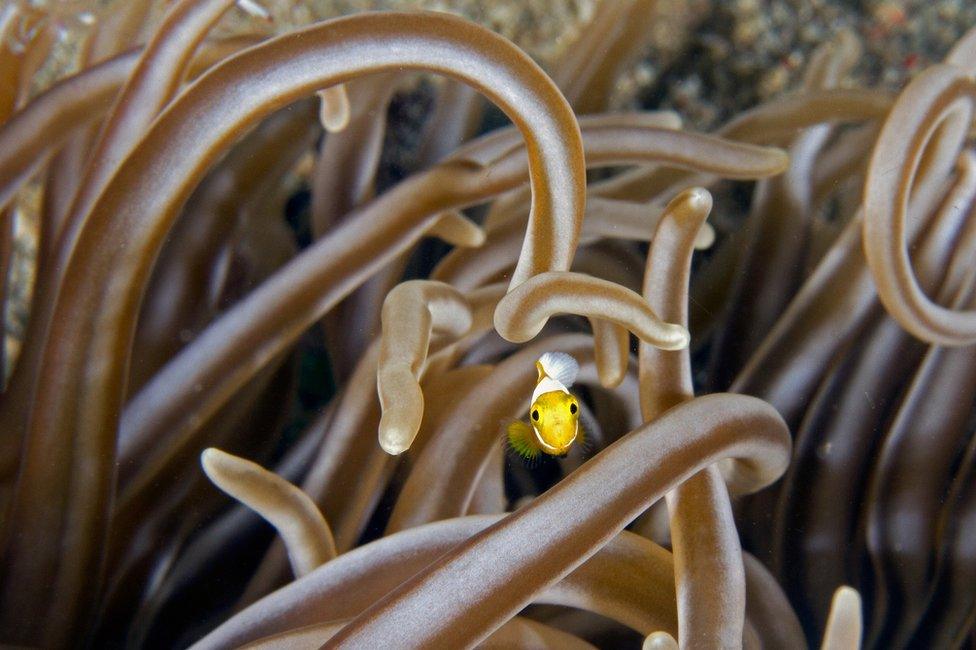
column 535, row 415
column 572, row 408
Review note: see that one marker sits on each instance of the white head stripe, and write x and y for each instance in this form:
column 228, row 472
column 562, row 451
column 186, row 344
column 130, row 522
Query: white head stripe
column 547, row 385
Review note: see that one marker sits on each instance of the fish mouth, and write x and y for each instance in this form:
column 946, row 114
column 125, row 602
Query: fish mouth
column 556, row 451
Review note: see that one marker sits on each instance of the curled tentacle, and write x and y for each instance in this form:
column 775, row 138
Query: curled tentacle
column 413, row 312
column 524, row 312
column 931, row 119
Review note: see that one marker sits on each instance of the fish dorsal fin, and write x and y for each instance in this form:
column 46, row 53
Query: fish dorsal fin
column 559, row 366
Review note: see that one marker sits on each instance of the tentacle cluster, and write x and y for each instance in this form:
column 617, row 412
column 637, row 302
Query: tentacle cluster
column 226, row 274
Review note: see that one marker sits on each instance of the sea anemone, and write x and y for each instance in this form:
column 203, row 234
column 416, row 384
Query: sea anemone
column 778, row 406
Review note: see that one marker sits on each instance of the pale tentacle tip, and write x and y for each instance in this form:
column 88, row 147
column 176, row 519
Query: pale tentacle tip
column 699, row 199
column 844, row 621
column 705, row 237
column 846, row 599
column 255, row 9
column 671, row 120
column 456, row 229
column 848, row 593
column 210, row 457
column 782, row 161
column 676, row 337
column 401, row 406
column 334, row 110
column 659, row 641
column 393, row 441
column 216, row 463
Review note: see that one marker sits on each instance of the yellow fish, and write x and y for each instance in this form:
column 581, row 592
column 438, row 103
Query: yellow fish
column 554, row 414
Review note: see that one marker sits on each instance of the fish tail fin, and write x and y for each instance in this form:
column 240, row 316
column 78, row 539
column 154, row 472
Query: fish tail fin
column 521, row 440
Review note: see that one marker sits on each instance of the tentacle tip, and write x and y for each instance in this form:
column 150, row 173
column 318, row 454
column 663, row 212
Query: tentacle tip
column 477, row 239
column 659, row 641
column 692, row 206
column 210, row 456
column 611, row 379
column 705, row 237
column 844, row 622
column 456, row 229
column 255, row 9
column 848, row 597
column 334, row 110
column 699, row 199
column 393, row 442
column 671, row 120
column 780, row 160
column 677, row 337
column 211, row 460
column 333, row 126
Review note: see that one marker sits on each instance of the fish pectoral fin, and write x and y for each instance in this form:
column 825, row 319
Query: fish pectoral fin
column 582, row 440
column 521, row 439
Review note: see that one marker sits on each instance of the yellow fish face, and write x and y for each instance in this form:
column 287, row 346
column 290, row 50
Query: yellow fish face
column 555, row 419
